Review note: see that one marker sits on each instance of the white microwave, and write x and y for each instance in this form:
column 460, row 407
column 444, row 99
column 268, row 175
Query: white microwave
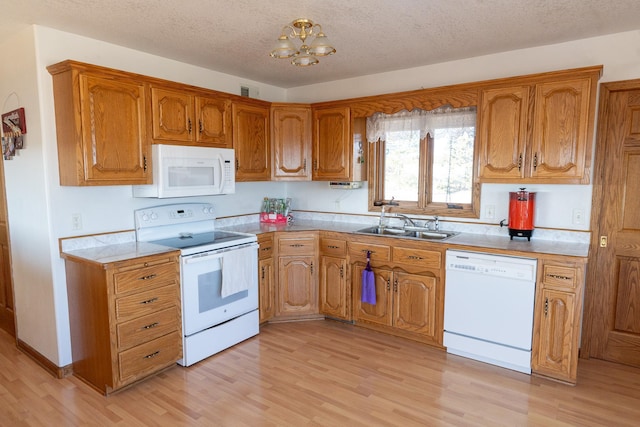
column 182, row 171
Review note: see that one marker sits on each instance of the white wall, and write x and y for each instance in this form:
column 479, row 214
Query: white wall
column 27, row 202
column 40, row 210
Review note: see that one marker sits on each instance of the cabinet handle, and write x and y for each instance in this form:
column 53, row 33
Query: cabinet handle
column 315, row 165
column 263, row 272
column 388, row 284
column 149, row 301
column 304, row 165
column 535, row 161
column 268, row 248
column 395, row 285
column 237, row 165
column 200, row 128
column 341, row 272
column 368, row 250
column 151, row 276
column 311, row 268
column 189, row 125
column 332, row 246
column 152, row 355
column 153, row 325
column 296, row 245
column 557, row 276
column 520, row 162
column 144, row 163
column 546, row 307
column 414, row 257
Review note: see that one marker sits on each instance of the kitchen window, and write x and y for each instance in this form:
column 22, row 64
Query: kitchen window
column 424, row 160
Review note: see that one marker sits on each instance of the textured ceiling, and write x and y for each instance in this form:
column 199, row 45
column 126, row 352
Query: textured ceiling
column 371, row 36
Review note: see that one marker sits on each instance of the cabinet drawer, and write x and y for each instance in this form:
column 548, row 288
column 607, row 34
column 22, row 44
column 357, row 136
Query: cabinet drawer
column 418, row 257
column 297, row 246
column 149, row 357
column 358, row 252
column 333, row 247
column 146, row 328
column 266, row 246
column 146, row 278
column 559, row 276
column 143, row 303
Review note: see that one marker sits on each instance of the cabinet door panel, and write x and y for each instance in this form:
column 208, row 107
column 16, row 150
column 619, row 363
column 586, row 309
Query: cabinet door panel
column 333, row 287
column 502, row 136
column 556, row 334
column 291, row 143
column 266, row 275
column 332, row 144
column 113, row 126
column 172, row 115
column 415, row 303
column 561, row 123
column 297, row 290
column 251, row 144
column 214, row 121
column 379, row 313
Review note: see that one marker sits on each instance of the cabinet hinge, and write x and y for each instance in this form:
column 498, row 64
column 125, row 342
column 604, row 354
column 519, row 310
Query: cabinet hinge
column 520, row 162
column 546, row 307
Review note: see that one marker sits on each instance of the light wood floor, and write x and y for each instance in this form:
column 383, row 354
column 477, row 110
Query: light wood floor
column 324, row 373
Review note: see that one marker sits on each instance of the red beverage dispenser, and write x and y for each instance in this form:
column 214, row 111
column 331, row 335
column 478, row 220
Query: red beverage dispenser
column 521, row 213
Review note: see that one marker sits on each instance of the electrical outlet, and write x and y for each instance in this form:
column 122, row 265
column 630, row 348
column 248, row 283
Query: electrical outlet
column 490, row 212
column 578, row 217
column 76, row 221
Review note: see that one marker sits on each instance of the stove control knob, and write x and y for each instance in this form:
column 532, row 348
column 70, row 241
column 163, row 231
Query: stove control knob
column 154, row 216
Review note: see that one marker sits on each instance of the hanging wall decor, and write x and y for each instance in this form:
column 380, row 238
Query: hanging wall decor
column 14, row 126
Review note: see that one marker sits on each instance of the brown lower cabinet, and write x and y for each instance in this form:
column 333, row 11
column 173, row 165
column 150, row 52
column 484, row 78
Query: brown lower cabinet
column 556, row 330
column 319, row 275
column 125, row 318
column 266, row 277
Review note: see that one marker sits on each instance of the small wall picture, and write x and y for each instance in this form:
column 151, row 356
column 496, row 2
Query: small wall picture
column 14, row 126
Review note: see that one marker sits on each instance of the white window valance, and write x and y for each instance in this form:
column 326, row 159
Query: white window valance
column 417, row 120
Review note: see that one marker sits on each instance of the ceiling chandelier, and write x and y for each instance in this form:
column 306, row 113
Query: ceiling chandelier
column 305, row 55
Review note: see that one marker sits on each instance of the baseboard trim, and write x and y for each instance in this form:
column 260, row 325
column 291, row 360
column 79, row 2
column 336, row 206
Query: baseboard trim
column 52, row 368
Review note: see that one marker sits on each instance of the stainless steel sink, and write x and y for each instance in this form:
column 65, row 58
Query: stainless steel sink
column 410, row 232
column 384, row 231
column 432, row 235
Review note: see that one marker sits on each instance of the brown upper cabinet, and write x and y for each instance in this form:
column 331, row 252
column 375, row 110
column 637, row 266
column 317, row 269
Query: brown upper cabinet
column 338, row 145
column 291, row 142
column 100, row 126
column 538, row 131
column 184, row 117
column 251, row 141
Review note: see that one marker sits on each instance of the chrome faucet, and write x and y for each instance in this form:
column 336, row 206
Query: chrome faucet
column 406, row 219
column 381, row 223
column 436, row 223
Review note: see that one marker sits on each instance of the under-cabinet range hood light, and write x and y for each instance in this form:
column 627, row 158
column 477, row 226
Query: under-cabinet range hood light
column 348, row 185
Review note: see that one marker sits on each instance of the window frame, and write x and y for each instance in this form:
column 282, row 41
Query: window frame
column 423, row 206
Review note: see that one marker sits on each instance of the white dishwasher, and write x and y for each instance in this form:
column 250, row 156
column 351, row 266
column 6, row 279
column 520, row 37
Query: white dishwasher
column 488, row 308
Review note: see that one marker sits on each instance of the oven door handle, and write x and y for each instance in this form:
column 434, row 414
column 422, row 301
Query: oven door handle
column 203, row 258
column 216, row 254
